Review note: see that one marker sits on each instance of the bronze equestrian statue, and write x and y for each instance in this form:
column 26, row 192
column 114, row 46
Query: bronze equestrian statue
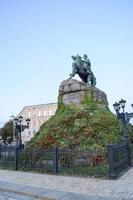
column 82, row 67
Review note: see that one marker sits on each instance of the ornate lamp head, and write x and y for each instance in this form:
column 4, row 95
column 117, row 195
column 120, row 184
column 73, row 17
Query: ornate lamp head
column 15, row 120
column 116, row 107
column 20, row 118
column 28, row 121
column 122, row 102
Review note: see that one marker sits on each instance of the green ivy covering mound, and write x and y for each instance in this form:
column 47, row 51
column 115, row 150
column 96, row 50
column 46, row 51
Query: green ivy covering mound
column 73, row 126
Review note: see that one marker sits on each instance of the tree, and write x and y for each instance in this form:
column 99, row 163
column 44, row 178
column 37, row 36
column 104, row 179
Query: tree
column 6, row 132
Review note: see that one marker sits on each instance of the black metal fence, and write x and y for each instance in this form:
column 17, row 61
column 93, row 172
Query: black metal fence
column 7, row 156
column 104, row 162
column 119, row 158
column 82, row 162
column 36, row 160
column 69, row 161
column 131, row 154
column 65, row 161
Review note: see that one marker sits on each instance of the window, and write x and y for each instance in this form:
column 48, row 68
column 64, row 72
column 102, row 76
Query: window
column 29, row 114
column 39, row 113
column 50, row 112
column 44, row 113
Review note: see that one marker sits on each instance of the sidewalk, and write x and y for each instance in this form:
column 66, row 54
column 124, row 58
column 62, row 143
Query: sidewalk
column 67, row 188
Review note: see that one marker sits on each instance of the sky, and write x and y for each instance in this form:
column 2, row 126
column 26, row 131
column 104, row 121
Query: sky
column 38, row 38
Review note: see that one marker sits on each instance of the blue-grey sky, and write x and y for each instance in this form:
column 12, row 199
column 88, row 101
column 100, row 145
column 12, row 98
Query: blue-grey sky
column 38, row 37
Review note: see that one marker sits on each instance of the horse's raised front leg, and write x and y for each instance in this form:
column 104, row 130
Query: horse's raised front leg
column 73, row 73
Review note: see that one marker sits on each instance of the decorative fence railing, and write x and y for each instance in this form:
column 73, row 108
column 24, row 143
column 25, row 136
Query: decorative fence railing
column 83, row 162
column 104, row 162
column 70, row 161
column 37, row 160
column 67, row 161
column 7, row 156
column 131, row 153
column 119, row 158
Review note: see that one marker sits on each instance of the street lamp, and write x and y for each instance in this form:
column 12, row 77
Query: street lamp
column 12, row 118
column 122, row 115
column 19, row 127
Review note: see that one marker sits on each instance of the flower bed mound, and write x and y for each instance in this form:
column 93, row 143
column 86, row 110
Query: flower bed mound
column 71, row 126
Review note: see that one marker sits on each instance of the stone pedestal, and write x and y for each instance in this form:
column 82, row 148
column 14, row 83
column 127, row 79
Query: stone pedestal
column 72, row 91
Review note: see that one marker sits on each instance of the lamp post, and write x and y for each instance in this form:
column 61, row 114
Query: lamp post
column 19, row 127
column 12, row 118
column 122, row 115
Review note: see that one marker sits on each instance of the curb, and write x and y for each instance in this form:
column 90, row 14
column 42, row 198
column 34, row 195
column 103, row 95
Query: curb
column 31, row 193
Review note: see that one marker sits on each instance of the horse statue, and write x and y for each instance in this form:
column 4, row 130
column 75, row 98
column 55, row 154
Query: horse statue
column 82, row 67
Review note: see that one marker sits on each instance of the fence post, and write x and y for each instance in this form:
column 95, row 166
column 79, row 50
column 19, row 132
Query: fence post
column 110, row 151
column 128, row 152
column 55, row 160
column 0, row 151
column 16, row 157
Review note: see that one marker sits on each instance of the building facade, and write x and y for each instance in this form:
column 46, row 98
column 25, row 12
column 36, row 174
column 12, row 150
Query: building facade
column 38, row 114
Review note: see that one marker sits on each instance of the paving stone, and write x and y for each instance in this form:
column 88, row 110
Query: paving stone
column 72, row 196
column 32, row 190
column 57, row 195
column 2, row 184
column 105, row 198
column 12, row 187
column 3, row 197
column 14, row 196
column 120, row 189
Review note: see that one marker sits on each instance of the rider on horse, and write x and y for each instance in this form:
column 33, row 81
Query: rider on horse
column 83, row 69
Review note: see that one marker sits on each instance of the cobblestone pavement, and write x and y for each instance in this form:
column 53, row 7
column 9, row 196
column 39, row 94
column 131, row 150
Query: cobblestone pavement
column 60, row 196
column 14, row 196
column 62, row 187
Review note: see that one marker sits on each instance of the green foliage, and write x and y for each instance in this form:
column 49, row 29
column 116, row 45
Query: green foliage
column 88, row 102
column 97, row 171
column 71, row 126
column 7, row 132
